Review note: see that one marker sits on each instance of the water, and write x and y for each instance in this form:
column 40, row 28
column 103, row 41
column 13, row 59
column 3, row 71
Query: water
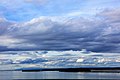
column 57, row 75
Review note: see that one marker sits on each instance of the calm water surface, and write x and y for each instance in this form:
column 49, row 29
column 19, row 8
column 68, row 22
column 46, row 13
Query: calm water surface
column 57, row 75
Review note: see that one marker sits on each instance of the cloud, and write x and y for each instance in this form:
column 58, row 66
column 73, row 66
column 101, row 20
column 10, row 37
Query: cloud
column 99, row 34
column 46, row 33
column 4, row 25
column 28, row 59
column 112, row 19
column 8, row 41
column 111, row 15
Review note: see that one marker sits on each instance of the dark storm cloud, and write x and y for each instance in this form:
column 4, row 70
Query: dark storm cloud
column 100, row 34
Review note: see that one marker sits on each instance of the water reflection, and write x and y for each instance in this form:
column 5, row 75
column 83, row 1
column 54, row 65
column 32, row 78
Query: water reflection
column 56, row 75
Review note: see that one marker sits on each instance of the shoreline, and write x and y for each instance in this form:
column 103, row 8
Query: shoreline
column 88, row 69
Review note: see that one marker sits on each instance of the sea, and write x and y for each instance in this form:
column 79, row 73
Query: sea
column 9, row 75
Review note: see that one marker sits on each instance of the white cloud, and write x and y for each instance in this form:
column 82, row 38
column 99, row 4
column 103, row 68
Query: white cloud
column 86, row 13
column 27, row 59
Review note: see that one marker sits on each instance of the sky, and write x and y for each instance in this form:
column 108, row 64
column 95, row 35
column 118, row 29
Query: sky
column 60, row 25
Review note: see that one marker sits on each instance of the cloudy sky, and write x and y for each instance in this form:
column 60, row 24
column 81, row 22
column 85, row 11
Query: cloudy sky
column 60, row 25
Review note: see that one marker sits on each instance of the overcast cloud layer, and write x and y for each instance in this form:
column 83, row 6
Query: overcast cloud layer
column 73, row 29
